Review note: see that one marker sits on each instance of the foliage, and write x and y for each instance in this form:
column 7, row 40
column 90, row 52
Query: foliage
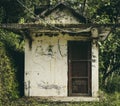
column 96, row 10
column 111, row 9
column 109, row 67
column 113, row 84
column 9, row 70
column 8, row 83
column 12, row 11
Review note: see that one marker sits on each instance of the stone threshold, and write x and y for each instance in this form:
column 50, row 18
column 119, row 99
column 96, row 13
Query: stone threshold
column 69, row 99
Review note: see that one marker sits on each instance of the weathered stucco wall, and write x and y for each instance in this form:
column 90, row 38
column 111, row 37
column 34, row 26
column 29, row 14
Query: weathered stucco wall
column 46, row 67
column 59, row 17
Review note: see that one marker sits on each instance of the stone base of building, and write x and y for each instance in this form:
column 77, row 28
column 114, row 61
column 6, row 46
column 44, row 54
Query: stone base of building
column 68, row 99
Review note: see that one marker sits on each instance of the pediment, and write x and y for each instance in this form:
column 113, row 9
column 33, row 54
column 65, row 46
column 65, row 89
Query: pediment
column 62, row 14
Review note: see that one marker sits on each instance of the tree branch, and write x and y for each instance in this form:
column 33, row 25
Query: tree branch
column 84, row 4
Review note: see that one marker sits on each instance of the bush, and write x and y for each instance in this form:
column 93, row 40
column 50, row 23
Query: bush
column 11, row 54
column 8, row 82
column 113, row 85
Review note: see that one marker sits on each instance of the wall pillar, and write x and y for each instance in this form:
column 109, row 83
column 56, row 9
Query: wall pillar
column 94, row 69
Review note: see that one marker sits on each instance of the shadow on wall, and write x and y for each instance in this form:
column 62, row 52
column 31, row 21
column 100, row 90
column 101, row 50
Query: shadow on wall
column 20, row 72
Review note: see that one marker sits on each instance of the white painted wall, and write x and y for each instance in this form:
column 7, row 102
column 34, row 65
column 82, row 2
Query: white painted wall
column 46, row 71
column 95, row 64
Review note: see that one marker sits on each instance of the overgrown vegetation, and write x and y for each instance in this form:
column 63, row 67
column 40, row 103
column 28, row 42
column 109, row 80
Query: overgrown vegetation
column 11, row 66
column 8, row 83
column 12, row 51
column 105, row 100
column 110, row 63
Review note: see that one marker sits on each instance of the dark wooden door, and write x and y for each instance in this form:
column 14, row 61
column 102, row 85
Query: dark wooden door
column 79, row 59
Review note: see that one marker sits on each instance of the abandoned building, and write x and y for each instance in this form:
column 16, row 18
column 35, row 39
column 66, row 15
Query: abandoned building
column 61, row 55
column 61, row 64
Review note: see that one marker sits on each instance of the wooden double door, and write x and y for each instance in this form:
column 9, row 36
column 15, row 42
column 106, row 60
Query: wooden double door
column 79, row 61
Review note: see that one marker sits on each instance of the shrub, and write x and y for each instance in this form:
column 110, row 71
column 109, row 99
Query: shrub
column 113, row 85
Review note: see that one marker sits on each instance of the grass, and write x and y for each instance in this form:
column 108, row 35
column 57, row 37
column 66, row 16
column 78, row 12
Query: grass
column 105, row 100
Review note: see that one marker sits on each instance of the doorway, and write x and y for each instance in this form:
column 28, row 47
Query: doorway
column 79, row 62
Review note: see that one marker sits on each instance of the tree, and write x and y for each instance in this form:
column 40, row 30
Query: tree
column 109, row 57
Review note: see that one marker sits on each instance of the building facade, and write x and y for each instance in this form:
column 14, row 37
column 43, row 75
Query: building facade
column 62, row 61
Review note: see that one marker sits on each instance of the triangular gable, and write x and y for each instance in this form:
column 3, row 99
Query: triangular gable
column 62, row 14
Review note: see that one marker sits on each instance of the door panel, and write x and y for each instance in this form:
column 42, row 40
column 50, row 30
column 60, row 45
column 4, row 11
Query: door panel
column 79, row 85
column 76, row 69
column 79, row 58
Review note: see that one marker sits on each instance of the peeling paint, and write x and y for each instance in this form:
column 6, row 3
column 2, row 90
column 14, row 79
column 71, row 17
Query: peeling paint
column 47, row 62
column 49, row 86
